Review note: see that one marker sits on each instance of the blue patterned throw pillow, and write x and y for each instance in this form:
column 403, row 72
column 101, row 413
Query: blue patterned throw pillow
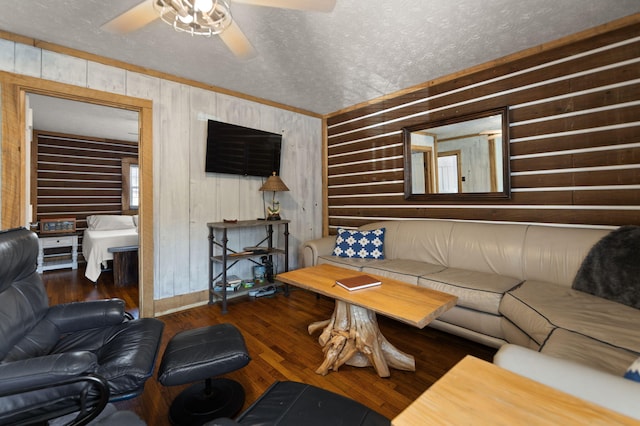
column 360, row 244
column 633, row 372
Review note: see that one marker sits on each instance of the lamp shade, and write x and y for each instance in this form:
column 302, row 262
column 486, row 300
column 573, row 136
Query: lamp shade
column 274, row 183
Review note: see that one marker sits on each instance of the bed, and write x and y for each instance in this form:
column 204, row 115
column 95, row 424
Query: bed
column 102, row 233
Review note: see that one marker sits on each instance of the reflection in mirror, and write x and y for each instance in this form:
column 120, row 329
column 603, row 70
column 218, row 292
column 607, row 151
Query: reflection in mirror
column 462, row 158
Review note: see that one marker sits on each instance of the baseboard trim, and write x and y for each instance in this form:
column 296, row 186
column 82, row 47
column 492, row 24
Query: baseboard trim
column 181, row 302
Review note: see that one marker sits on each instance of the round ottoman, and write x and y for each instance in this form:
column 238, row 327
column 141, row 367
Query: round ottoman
column 200, row 355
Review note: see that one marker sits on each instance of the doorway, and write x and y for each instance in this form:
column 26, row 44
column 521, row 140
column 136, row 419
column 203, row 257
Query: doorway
column 14, row 211
column 82, row 156
column 449, row 173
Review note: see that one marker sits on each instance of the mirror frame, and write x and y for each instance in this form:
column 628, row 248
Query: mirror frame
column 506, row 169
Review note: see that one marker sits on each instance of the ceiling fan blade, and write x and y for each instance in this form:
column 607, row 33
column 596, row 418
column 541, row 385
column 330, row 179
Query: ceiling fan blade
column 237, row 42
column 311, row 5
column 133, row 19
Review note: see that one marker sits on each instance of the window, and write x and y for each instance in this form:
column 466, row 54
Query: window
column 130, row 186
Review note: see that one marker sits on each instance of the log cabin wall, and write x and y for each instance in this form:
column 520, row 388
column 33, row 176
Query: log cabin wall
column 78, row 176
column 574, row 113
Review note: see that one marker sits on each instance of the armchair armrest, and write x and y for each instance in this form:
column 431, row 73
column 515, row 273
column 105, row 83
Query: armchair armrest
column 319, row 247
column 39, row 389
column 30, row 373
column 602, row 388
column 69, row 317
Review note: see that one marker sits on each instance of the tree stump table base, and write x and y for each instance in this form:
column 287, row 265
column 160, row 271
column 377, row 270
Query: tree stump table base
column 352, row 336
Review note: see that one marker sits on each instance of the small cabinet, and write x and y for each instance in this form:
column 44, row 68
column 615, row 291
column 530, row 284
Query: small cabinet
column 59, row 259
column 218, row 238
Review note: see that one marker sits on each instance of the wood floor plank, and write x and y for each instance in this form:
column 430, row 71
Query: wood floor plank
column 275, row 331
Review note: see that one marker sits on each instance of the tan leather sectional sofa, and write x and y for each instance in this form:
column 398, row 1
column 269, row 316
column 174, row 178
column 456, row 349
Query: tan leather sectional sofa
column 513, row 283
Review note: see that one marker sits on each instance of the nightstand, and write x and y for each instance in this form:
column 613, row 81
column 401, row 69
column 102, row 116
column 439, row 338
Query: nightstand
column 70, row 260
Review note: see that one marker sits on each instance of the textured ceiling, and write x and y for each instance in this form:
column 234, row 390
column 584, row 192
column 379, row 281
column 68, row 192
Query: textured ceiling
column 322, row 62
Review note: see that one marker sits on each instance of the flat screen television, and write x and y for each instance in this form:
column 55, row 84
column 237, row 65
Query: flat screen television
column 240, row 150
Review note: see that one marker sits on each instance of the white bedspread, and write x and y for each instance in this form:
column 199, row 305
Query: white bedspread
column 96, row 244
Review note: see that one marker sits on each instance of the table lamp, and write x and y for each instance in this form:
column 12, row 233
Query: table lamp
column 275, row 184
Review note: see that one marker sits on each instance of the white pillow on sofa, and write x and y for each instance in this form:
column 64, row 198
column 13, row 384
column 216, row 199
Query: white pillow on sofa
column 109, row 222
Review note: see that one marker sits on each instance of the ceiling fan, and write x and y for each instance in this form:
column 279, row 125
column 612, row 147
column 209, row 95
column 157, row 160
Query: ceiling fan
column 205, row 17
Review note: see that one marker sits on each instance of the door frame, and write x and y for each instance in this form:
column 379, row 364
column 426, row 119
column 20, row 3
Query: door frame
column 14, row 88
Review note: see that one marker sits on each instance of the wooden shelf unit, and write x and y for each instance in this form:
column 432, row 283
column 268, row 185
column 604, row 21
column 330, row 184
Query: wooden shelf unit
column 229, row 255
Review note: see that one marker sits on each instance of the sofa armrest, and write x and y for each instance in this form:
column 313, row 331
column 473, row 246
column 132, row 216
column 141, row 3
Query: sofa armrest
column 314, row 248
column 601, row 388
column 75, row 316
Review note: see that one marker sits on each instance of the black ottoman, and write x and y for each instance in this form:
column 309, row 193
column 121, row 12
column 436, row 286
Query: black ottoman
column 202, row 354
column 300, row 404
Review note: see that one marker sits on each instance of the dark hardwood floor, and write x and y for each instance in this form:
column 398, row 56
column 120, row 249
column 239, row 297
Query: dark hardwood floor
column 275, row 330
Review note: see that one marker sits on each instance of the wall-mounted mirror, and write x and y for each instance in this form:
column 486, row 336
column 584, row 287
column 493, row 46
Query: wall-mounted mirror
column 464, row 158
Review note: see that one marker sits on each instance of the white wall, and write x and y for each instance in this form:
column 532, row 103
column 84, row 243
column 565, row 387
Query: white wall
column 185, row 198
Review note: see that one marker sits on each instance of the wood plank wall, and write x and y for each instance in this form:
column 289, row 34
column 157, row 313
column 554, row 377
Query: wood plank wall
column 78, row 176
column 574, row 114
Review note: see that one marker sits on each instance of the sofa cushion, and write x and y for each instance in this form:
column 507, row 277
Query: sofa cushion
column 475, row 290
column 585, row 350
column 490, row 248
column 633, row 372
column 480, row 322
column 554, row 254
column 538, row 308
column 360, row 244
column 522, row 313
column 513, row 334
column 612, row 267
column 401, row 269
column 420, row 240
column 354, row 263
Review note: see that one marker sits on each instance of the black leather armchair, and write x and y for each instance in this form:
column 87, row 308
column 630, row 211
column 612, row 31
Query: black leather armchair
column 64, row 358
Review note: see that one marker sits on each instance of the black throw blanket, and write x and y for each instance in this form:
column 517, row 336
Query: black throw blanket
column 612, row 268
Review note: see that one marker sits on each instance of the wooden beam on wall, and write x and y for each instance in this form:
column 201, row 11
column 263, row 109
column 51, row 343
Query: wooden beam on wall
column 12, row 159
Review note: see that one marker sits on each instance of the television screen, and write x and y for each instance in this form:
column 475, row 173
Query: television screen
column 240, row 150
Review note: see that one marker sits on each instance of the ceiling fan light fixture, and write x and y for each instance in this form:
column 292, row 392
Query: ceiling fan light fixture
column 205, row 17
column 204, row 6
column 187, row 19
column 196, row 17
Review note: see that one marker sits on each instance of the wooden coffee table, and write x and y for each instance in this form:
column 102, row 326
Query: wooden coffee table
column 351, row 336
column 476, row 392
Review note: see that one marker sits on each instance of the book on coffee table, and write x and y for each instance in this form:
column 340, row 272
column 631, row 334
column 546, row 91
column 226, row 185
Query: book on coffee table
column 358, row 282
